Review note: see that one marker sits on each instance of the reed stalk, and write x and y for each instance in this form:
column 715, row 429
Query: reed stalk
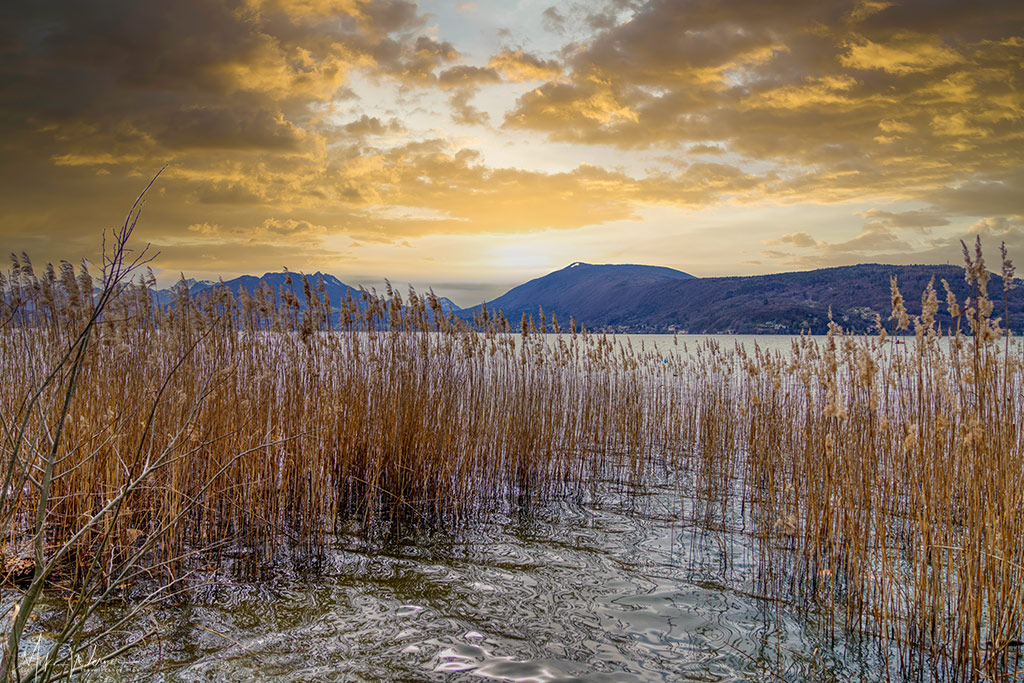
column 881, row 480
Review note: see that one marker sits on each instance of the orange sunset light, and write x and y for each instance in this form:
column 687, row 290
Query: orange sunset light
column 470, row 146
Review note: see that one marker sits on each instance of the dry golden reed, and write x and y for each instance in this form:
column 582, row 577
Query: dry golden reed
column 886, row 481
column 368, row 413
column 883, row 479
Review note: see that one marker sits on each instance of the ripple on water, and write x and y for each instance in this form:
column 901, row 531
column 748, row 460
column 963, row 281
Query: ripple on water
column 574, row 593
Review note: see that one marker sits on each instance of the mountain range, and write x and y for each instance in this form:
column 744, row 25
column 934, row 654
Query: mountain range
column 638, row 298
column 631, row 298
column 335, row 288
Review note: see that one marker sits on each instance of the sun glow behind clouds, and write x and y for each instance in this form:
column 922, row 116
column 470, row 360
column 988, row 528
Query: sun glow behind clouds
column 468, row 144
column 520, row 257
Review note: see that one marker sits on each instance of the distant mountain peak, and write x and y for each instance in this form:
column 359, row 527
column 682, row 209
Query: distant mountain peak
column 330, row 279
column 335, row 288
column 636, row 298
column 583, row 290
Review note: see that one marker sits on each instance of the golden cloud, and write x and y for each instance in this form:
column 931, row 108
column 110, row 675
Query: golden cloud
column 999, row 227
column 464, row 76
column 372, row 125
column 518, row 66
column 254, row 107
column 848, row 100
column 901, row 54
column 420, row 188
column 795, row 239
column 920, row 219
column 875, row 237
column 285, row 232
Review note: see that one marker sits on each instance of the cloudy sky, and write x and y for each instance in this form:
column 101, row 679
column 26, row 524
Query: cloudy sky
column 470, row 146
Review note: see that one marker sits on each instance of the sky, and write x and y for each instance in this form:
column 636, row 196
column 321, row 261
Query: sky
column 471, row 146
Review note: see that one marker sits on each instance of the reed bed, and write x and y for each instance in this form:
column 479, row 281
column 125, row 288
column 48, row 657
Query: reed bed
column 882, row 481
column 383, row 414
column 883, row 477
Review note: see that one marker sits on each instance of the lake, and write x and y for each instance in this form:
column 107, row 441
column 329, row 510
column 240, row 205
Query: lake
column 609, row 589
column 607, row 585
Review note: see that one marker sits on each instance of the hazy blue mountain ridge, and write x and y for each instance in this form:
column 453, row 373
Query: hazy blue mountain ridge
column 584, row 291
column 604, row 297
column 333, row 287
column 638, row 298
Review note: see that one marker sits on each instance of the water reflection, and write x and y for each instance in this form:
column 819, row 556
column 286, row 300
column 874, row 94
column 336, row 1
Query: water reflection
column 611, row 590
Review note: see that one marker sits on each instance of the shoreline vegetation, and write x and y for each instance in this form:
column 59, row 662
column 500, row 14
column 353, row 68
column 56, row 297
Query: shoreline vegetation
column 142, row 440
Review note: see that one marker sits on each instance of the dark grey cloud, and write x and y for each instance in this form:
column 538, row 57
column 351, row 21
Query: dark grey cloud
column 857, row 99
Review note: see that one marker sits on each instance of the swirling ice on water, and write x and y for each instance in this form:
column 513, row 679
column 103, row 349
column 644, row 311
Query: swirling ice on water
column 610, row 592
